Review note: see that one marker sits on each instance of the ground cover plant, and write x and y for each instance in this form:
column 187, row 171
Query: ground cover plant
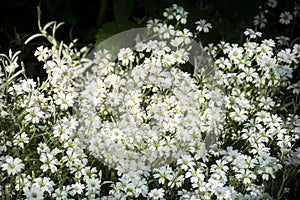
column 147, row 121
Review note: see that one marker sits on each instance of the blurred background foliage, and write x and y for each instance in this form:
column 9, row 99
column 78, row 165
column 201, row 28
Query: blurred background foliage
column 92, row 21
column 98, row 19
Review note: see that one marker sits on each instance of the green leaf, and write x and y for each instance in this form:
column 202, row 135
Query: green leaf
column 123, row 9
column 112, row 28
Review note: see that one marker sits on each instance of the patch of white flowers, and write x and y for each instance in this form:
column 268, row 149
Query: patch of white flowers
column 148, row 121
column 138, row 117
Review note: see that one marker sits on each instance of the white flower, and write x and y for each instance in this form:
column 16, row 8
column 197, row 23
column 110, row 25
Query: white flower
column 11, row 67
column 71, row 157
column 186, row 35
column 272, row 3
column 62, row 132
column 34, row 115
column 22, row 182
column 12, row 165
column 65, row 100
column 282, row 40
column 177, row 41
column 28, row 85
column 186, row 162
column 154, row 25
column 169, row 13
column 252, row 34
column 235, row 54
column 42, row 53
column 138, row 73
column 163, row 173
column 167, row 31
column 93, row 184
column 102, row 56
column 49, row 66
column 44, row 184
column 260, row 20
column 49, row 162
column 195, row 175
column 285, row 18
column 203, row 26
column 296, row 12
column 126, row 56
column 266, row 103
column 182, row 16
column 295, row 87
column 157, row 193
column 61, row 193
column 76, row 188
column 43, row 148
column 106, row 66
column 246, row 176
column 34, row 193
column 249, row 73
column 21, row 139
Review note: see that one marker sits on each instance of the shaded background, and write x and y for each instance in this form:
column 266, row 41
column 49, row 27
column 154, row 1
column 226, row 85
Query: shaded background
column 84, row 19
column 92, row 21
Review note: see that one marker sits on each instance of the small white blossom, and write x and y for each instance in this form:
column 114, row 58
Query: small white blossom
column 272, row 3
column 12, row 165
column 202, row 25
column 125, row 55
column 285, row 18
column 42, row 53
column 34, row 115
column 21, row 139
column 157, row 193
column 260, row 20
column 34, row 193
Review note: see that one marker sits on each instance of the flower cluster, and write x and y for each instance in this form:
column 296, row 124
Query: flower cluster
column 151, row 106
column 138, row 125
column 40, row 155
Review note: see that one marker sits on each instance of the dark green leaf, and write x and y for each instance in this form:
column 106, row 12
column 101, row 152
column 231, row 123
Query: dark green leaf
column 111, row 28
column 123, row 9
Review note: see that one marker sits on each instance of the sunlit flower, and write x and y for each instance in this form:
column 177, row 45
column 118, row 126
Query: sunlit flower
column 34, row 115
column 64, row 100
column 21, row 139
column 61, row 193
column 49, row 161
column 34, row 193
column 157, row 193
column 166, row 31
column 42, row 53
column 12, row 165
column 125, row 55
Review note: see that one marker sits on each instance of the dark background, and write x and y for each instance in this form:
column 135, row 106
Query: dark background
column 92, row 21
column 84, row 19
